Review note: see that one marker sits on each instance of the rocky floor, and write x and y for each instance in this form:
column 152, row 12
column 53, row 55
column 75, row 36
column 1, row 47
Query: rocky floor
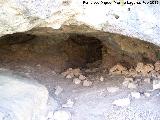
column 92, row 94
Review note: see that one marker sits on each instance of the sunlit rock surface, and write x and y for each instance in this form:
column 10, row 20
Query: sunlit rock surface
column 21, row 99
column 140, row 21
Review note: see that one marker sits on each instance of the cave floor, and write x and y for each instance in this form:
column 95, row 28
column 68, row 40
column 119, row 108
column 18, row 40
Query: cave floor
column 93, row 102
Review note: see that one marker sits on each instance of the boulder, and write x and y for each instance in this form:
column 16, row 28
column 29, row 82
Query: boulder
column 22, row 99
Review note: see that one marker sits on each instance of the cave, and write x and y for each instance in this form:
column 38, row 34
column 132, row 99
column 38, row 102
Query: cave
column 79, row 67
column 61, row 49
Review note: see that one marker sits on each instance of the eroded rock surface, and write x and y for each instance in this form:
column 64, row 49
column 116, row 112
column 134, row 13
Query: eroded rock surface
column 21, row 99
column 141, row 21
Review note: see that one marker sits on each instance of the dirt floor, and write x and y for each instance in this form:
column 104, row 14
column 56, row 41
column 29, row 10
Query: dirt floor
column 93, row 102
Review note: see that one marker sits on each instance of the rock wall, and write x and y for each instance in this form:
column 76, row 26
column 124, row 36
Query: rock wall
column 135, row 20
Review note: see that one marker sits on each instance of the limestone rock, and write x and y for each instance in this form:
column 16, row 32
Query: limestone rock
column 76, row 81
column 70, row 73
column 117, row 69
column 76, row 72
column 132, row 85
column 147, row 94
column 22, row 99
column 19, row 16
column 69, row 76
column 144, row 69
column 101, row 79
column 132, row 72
column 62, row 115
column 147, row 80
column 139, row 67
column 122, row 102
column 157, row 66
column 112, row 89
column 128, row 79
column 87, row 83
column 82, row 77
column 135, row 95
column 156, row 84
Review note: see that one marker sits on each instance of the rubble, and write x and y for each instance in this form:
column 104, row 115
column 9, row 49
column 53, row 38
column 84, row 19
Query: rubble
column 117, row 70
column 135, row 95
column 82, row 77
column 112, row 89
column 157, row 66
column 70, row 73
column 122, row 102
column 101, row 79
column 144, row 69
column 147, row 94
column 132, row 85
column 76, row 81
column 62, row 115
column 87, row 83
column 156, row 84
column 147, row 80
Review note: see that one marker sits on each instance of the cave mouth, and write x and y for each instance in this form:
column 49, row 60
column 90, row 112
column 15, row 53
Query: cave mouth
column 62, row 49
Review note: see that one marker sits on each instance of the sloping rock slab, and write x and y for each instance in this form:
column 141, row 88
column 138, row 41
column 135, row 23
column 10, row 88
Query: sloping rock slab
column 21, row 99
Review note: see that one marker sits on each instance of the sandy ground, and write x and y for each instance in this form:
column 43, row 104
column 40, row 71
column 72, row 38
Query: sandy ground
column 94, row 102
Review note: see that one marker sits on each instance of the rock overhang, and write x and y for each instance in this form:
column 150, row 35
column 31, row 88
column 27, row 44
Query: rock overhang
column 139, row 20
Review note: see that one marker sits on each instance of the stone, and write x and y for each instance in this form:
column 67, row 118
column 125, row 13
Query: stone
column 135, row 95
column 76, row 81
column 132, row 73
column 147, row 80
column 62, row 115
column 131, row 85
column 139, row 67
column 69, row 104
column 58, row 90
column 69, row 76
column 101, row 79
column 82, row 77
column 147, row 94
column 128, row 79
column 122, row 102
column 156, row 84
column 117, row 69
column 157, row 66
column 125, row 83
column 147, row 68
column 67, row 72
column 87, row 83
column 112, row 89
column 125, row 72
column 144, row 69
column 76, row 72
column 22, row 99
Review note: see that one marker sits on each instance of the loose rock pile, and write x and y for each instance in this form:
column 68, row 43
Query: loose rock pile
column 77, row 77
column 147, row 73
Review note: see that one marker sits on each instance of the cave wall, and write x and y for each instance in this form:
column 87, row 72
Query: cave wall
column 61, row 49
